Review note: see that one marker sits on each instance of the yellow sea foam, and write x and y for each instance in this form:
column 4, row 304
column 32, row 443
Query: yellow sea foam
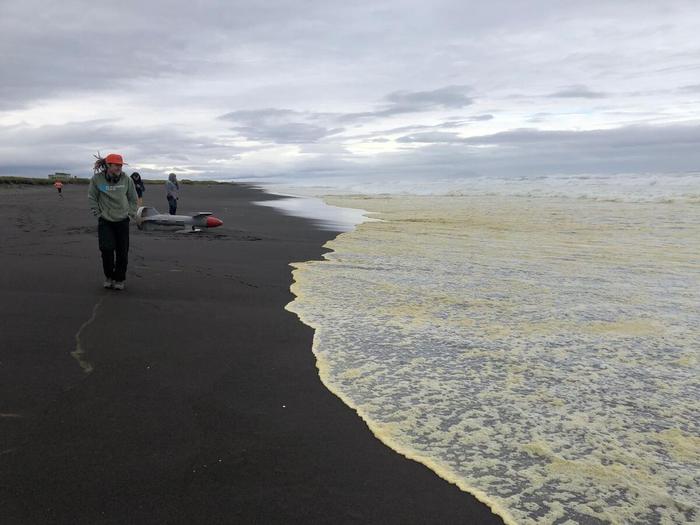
column 542, row 354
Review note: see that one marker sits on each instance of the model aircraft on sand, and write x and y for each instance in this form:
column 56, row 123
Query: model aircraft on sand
column 148, row 218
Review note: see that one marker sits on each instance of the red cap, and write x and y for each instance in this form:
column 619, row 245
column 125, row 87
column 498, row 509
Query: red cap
column 114, row 158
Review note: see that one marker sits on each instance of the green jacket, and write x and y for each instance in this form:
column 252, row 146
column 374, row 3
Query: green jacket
column 113, row 201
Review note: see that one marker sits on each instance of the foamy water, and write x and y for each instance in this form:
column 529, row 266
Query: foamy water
column 333, row 218
column 542, row 353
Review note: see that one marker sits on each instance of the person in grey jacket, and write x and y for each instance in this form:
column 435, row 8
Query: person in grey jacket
column 172, row 192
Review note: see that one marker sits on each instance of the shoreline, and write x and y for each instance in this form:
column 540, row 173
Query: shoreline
column 204, row 404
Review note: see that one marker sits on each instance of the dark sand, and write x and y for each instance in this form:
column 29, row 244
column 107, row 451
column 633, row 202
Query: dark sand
column 204, row 404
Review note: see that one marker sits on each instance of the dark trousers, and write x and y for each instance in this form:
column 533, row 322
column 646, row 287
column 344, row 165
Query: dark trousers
column 172, row 204
column 113, row 238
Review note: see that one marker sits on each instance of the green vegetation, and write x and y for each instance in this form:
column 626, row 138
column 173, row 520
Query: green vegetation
column 25, row 180
column 30, row 181
column 187, row 181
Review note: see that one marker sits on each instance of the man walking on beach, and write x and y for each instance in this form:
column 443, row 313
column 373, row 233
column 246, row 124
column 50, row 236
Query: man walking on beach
column 112, row 198
column 59, row 186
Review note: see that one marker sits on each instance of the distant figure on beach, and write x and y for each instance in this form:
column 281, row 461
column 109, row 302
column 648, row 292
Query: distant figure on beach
column 112, row 198
column 172, row 190
column 140, row 187
column 59, row 186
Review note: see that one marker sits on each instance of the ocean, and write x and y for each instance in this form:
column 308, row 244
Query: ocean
column 535, row 341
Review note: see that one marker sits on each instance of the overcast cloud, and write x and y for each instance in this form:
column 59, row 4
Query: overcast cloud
column 291, row 91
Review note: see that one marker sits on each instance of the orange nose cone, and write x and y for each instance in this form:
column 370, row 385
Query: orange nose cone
column 213, row 222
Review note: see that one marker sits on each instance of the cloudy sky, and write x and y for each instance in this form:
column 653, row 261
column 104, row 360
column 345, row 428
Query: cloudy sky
column 322, row 91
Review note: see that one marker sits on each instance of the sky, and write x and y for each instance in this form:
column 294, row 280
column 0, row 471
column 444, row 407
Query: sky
column 321, row 92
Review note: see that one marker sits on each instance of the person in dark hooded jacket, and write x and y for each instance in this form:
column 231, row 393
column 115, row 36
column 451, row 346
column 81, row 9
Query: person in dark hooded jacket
column 140, row 187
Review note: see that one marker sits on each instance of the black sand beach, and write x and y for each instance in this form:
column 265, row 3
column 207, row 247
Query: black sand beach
column 203, row 404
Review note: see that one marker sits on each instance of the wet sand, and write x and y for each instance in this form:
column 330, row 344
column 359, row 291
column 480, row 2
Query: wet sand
column 203, row 403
